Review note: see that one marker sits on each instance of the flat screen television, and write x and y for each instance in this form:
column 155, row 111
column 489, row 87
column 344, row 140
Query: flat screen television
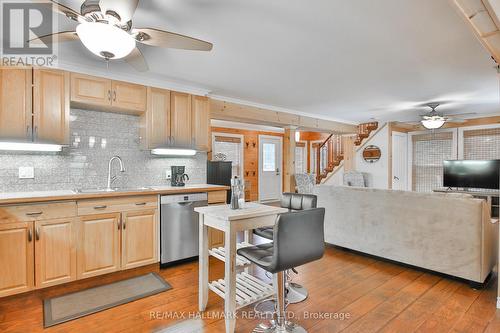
column 472, row 174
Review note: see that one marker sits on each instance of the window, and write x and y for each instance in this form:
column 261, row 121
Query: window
column 268, row 157
column 230, row 148
column 481, row 144
column 300, row 158
column 429, row 150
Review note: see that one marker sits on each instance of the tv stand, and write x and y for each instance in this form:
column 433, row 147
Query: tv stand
column 491, row 196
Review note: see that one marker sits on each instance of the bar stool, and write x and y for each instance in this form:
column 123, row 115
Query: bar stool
column 295, row 292
column 298, row 238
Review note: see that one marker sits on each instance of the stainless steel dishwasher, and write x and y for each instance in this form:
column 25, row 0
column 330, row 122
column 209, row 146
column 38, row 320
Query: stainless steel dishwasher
column 179, row 226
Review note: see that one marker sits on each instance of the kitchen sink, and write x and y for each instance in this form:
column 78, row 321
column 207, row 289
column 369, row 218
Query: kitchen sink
column 116, row 189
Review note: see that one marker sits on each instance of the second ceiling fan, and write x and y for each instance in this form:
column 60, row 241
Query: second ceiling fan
column 105, row 28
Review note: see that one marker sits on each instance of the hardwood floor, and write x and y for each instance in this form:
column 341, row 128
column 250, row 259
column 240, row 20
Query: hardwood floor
column 348, row 292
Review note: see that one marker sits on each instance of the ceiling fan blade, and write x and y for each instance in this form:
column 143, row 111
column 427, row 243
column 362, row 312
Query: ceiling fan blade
column 136, row 59
column 62, row 9
column 155, row 37
column 461, row 114
column 58, row 37
column 125, row 9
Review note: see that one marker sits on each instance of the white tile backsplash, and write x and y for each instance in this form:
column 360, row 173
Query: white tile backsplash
column 95, row 138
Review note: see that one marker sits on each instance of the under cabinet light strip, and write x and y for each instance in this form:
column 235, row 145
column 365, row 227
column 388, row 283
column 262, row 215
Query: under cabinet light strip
column 21, row 146
column 173, row 152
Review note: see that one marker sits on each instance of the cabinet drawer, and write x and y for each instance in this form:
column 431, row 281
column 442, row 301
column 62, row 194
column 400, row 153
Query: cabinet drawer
column 116, row 205
column 217, row 197
column 37, row 212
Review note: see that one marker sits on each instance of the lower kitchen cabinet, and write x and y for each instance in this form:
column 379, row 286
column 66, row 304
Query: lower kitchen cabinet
column 55, row 253
column 139, row 238
column 98, row 244
column 16, row 258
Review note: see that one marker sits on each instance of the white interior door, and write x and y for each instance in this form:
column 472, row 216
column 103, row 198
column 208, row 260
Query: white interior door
column 399, row 161
column 270, row 173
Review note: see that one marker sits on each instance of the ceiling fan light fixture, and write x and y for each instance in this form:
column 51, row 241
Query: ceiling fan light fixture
column 433, row 122
column 105, row 40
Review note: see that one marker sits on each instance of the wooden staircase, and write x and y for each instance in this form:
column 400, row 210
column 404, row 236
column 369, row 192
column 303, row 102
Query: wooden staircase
column 331, row 151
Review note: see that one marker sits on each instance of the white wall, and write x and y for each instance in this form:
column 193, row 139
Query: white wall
column 378, row 172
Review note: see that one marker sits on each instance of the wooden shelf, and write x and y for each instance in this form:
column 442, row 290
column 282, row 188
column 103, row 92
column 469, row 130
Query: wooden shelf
column 249, row 289
column 220, row 253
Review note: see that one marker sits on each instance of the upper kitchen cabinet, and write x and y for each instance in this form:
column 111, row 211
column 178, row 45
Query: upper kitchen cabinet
column 181, row 128
column 201, row 122
column 51, row 106
column 91, row 92
column 155, row 123
column 129, row 96
column 15, row 104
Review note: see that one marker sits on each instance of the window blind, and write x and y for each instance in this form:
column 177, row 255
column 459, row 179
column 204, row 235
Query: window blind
column 482, row 144
column 429, row 151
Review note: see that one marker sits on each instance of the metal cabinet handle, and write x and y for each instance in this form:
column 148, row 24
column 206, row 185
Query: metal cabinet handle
column 100, row 207
column 119, row 225
column 30, row 235
column 34, row 214
column 109, row 95
column 37, row 233
column 124, row 225
column 35, row 133
column 114, row 96
column 396, row 178
column 140, row 204
column 28, row 132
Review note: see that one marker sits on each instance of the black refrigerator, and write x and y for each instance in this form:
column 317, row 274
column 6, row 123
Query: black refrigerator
column 219, row 173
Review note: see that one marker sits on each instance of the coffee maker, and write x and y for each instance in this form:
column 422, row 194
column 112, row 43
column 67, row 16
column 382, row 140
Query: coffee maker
column 178, row 176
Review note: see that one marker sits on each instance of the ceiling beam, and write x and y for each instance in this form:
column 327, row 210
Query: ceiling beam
column 223, row 110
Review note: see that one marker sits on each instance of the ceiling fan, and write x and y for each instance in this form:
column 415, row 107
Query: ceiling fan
column 436, row 120
column 105, row 28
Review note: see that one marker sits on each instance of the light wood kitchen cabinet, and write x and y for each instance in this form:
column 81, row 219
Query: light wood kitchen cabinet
column 16, row 258
column 107, row 95
column 216, row 237
column 139, row 238
column 181, row 126
column 90, row 90
column 98, row 249
column 155, row 123
column 55, row 253
column 128, row 96
column 50, row 106
column 15, row 104
column 201, row 122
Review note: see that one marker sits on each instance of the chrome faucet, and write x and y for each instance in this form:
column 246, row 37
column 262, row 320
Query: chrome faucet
column 112, row 179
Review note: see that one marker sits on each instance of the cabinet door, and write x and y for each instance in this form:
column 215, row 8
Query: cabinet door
column 98, row 249
column 15, row 104
column 215, row 238
column 55, row 254
column 181, row 119
column 90, row 90
column 129, row 96
column 155, row 123
column 139, row 238
column 201, row 122
column 16, row 258
column 51, row 106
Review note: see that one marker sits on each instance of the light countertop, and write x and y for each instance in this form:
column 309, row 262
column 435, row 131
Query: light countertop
column 250, row 210
column 60, row 195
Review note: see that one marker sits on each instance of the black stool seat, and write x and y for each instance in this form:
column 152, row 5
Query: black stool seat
column 261, row 255
column 266, row 233
column 294, row 202
column 298, row 239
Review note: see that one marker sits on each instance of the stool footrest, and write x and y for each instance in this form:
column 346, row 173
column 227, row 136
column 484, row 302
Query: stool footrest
column 249, row 289
column 220, row 253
